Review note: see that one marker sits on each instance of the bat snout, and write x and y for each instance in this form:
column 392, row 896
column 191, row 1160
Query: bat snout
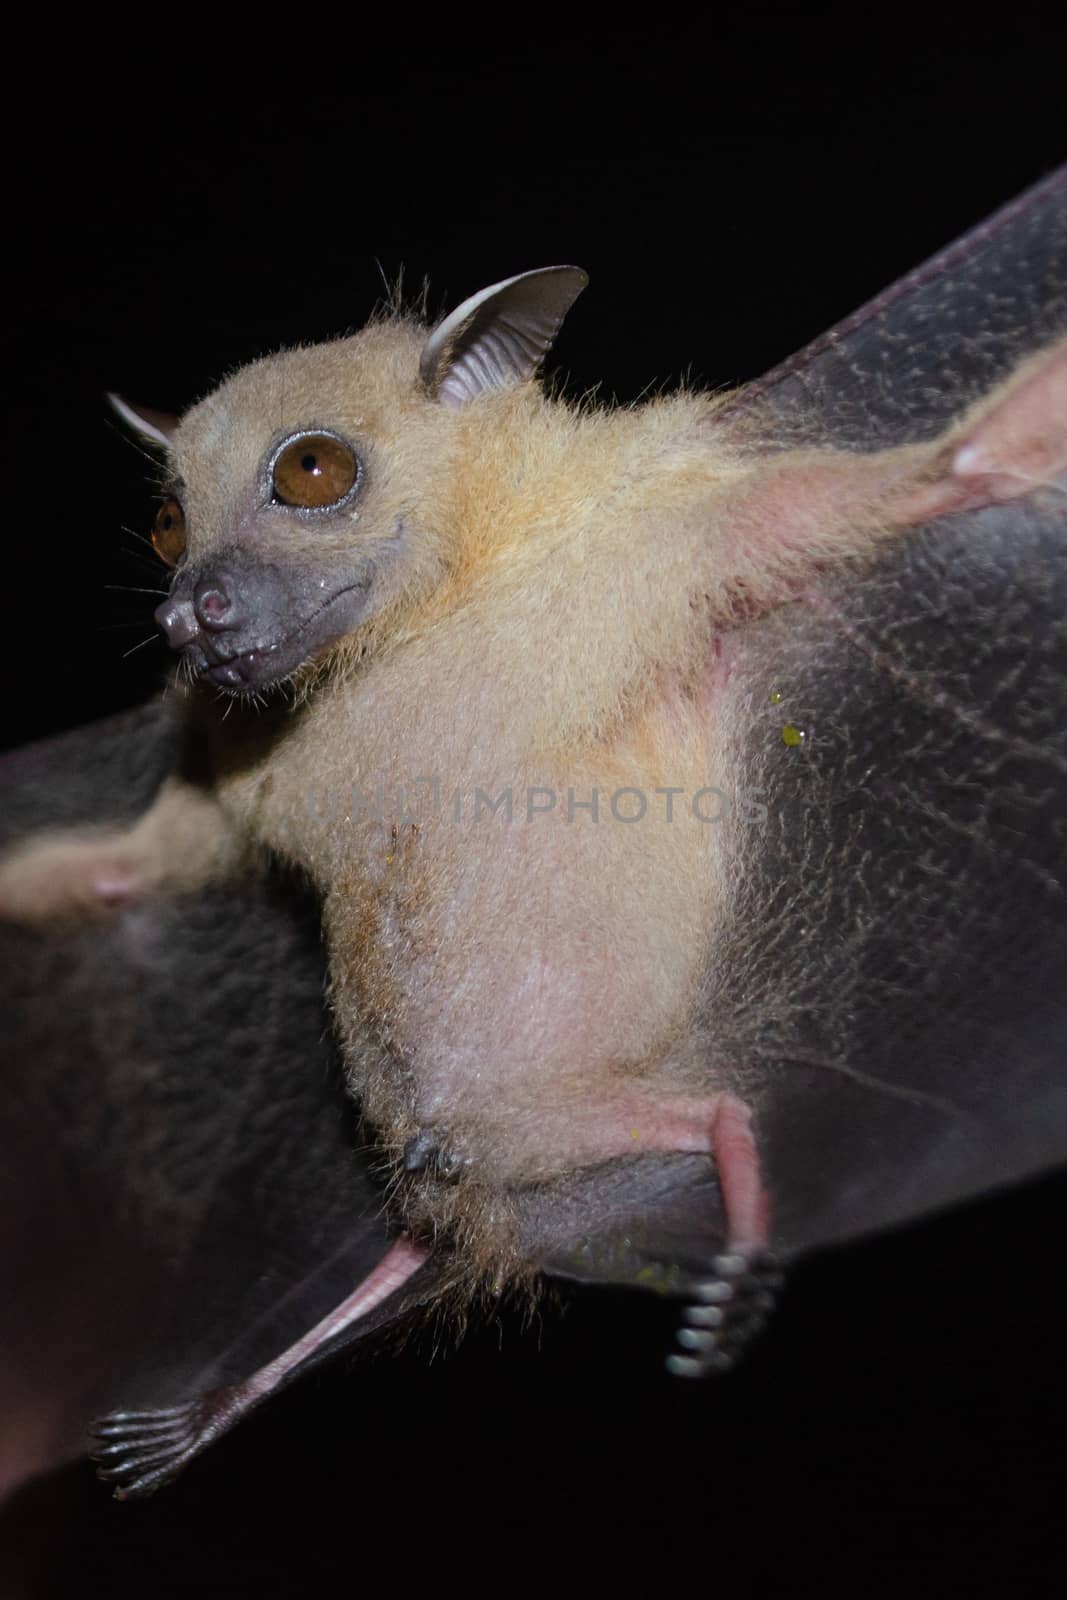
column 246, row 623
column 209, row 613
column 177, row 622
column 215, row 605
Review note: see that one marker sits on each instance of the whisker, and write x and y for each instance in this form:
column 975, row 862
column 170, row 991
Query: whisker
column 129, row 588
column 142, row 538
column 151, row 562
column 153, row 638
column 131, row 439
column 145, row 568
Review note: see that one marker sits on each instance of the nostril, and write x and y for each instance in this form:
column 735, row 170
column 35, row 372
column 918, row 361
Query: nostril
column 213, row 606
column 177, row 622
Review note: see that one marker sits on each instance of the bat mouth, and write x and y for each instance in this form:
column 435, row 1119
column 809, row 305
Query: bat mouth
column 224, row 660
column 255, row 667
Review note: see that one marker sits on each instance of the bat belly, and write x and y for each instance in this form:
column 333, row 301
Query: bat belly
column 528, row 978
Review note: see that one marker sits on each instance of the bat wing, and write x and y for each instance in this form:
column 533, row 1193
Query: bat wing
column 887, row 993
column 890, row 993
column 185, row 1191
column 904, row 365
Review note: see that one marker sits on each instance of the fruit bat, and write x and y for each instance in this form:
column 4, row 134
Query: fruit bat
column 673, row 781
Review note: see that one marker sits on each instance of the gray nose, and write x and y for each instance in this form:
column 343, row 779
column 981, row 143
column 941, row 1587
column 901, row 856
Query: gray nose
column 177, row 622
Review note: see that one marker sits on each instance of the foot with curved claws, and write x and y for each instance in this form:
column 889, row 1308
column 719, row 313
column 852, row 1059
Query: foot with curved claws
column 728, row 1309
column 140, row 1451
column 731, row 1304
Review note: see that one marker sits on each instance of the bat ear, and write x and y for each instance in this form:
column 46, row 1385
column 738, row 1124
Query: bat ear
column 498, row 337
column 154, row 427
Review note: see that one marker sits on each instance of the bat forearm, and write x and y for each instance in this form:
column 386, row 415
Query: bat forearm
column 183, row 842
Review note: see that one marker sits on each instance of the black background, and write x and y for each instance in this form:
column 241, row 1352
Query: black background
column 176, row 209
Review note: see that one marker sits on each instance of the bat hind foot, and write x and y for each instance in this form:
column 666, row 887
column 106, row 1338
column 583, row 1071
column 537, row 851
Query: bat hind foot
column 137, row 1452
column 726, row 1310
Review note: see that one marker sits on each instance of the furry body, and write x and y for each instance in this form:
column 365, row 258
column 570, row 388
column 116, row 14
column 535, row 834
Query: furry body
column 523, row 599
column 530, row 981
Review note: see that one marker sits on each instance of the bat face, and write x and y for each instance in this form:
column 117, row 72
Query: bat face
column 293, row 513
column 318, row 490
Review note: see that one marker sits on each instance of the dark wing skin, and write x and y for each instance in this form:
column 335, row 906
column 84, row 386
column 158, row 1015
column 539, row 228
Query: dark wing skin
column 904, row 365
column 888, row 994
column 891, row 994
column 184, row 1188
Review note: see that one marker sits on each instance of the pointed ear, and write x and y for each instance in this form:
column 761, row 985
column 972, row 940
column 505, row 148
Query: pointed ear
column 498, row 337
column 154, row 427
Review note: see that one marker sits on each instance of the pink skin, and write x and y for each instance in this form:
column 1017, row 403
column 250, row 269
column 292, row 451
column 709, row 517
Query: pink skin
column 1020, row 445
column 65, row 877
column 157, row 1443
column 142, row 1449
column 118, row 890
column 746, row 1203
column 727, row 1137
column 718, row 1126
column 398, row 1264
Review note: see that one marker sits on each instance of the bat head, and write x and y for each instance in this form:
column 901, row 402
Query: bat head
column 318, row 493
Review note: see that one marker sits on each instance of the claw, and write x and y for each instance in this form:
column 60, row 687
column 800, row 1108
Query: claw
column 138, row 1451
column 122, row 1419
column 705, row 1316
column 727, row 1311
column 697, row 1366
column 163, row 1441
column 120, row 1450
column 110, row 1428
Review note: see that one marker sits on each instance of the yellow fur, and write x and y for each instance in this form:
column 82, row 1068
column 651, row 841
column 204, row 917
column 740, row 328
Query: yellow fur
column 550, row 585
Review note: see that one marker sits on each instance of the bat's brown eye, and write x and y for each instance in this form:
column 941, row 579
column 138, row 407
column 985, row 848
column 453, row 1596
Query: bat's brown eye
column 168, row 533
column 315, row 470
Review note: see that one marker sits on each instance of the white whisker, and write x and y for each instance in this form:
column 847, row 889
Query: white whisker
column 153, row 638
